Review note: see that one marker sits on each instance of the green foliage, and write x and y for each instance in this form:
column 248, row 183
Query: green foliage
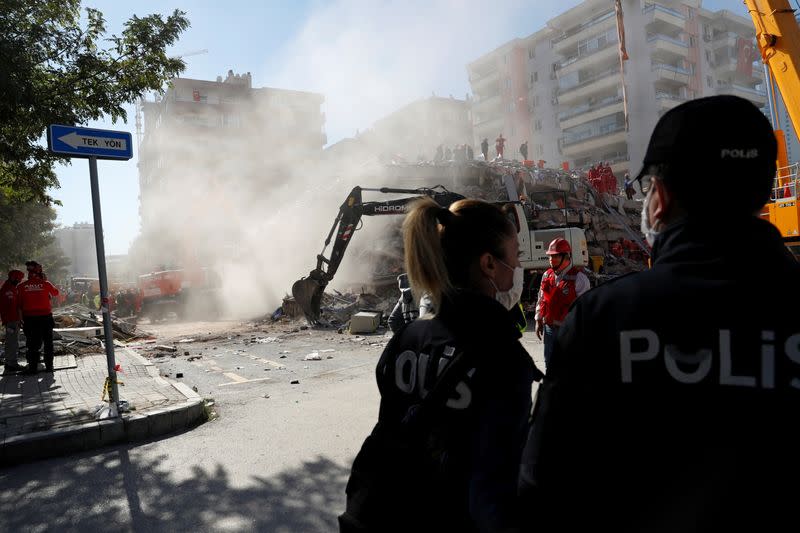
column 54, row 69
column 26, row 232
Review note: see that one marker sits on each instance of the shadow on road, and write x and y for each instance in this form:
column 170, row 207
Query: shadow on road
column 119, row 490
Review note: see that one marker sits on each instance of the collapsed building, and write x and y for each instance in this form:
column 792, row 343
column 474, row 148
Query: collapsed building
column 552, row 202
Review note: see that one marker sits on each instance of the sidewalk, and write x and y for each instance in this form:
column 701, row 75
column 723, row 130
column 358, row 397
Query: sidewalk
column 51, row 414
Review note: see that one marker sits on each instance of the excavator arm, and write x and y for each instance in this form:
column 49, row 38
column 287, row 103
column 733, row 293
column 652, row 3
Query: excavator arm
column 308, row 291
column 778, row 40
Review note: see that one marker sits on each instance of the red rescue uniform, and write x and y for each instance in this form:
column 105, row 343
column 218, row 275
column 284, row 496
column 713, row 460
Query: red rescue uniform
column 34, row 297
column 9, row 304
column 558, row 297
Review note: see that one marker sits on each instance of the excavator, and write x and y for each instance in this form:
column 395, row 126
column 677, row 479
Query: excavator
column 308, row 291
column 778, row 40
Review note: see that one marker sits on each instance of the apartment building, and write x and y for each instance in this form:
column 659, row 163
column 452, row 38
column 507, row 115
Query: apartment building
column 78, row 245
column 213, row 136
column 677, row 51
column 499, row 82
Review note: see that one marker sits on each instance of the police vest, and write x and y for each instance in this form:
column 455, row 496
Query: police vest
column 558, row 296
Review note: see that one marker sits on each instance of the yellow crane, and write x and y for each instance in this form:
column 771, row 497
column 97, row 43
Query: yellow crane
column 778, row 40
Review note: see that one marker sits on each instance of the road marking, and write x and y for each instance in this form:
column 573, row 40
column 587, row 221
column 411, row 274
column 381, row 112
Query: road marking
column 240, row 382
column 273, row 363
column 216, row 368
column 235, row 377
column 334, row 371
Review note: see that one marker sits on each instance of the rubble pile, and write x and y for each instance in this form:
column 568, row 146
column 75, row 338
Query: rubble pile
column 77, row 326
column 605, row 218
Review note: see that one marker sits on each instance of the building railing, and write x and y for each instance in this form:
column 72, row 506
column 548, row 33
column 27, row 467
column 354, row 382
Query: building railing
column 578, row 29
column 591, row 134
column 589, row 81
column 577, row 57
column 671, row 68
column 658, row 7
column 665, row 95
column 745, row 89
column 789, row 177
column 660, row 37
column 587, row 108
column 481, row 77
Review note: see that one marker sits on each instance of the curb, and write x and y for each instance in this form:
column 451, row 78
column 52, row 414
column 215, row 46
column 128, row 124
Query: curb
column 129, row 427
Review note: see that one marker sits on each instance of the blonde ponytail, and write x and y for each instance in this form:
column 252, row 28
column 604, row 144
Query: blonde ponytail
column 424, row 255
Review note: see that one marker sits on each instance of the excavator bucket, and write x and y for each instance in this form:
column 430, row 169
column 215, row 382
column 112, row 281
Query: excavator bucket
column 308, row 293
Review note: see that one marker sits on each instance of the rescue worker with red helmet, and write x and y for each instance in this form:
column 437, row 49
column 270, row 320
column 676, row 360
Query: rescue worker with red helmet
column 9, row 314
column 561, row 285
column 37, row 315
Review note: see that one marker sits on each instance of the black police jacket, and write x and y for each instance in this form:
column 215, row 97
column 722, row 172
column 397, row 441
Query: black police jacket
column 481, row 430
column 673, row 399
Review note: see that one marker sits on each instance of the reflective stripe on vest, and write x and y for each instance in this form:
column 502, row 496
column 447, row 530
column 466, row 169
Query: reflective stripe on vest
column 558, row 296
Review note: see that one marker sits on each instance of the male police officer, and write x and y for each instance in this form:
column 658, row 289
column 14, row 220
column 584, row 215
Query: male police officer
column 673, row 396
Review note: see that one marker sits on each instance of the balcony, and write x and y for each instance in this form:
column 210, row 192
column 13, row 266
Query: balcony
column 663, row 19
column 664, row 45
column 728, row 67
column 492, row 122
column 671, row 74
column 593, row 140
column 487, row 104
column 758, row 97
column 667, row 100
column 588, row 112
column 484, row 81
column 570, row 39
column 602, row 81
column 605, row 54
column 726, row 39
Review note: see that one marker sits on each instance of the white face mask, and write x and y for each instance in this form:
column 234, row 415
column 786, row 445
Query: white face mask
column 649, row 233
column 510, row 298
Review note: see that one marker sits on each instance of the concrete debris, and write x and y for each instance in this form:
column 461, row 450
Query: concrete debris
column 294, row 382
column 267, row 340
column 163, row 348
column 313, row 356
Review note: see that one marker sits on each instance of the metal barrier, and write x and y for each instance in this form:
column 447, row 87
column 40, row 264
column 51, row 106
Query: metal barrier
column 789, row 177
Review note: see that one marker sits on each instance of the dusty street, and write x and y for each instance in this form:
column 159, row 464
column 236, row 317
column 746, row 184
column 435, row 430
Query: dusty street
column 276, row 458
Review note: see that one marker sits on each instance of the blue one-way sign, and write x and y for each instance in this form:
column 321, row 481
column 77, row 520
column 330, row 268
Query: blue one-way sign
column 88, row 142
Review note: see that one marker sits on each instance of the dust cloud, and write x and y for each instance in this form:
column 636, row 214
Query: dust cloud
column 258, row 213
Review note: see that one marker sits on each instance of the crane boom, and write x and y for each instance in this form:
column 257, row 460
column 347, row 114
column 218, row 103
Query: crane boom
column 778, row 40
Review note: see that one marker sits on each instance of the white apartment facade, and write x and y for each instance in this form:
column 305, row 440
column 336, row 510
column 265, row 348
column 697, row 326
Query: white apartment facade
column 677, row 51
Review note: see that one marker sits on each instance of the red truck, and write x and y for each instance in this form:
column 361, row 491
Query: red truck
column 184, row 293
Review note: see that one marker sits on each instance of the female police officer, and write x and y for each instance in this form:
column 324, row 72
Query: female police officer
column 455, row 390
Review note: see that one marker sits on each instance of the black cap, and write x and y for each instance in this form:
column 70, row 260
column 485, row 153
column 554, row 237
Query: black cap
column 720, row 146
column 31, row 264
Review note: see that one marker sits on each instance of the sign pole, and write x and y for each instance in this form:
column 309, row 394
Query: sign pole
column 101, row 271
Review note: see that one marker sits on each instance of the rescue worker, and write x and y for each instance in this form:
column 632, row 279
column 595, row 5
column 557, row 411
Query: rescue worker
column 37, row 316
column 499, row 145
column 629, row 190
column 672, row 401
column 561, row 285
column 405, row 310
column 485, row 148
column 9, row 314
column 523, row 150
column 455, row 389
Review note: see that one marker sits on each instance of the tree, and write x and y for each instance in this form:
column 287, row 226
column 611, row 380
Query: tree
column 26, row 232
column 53, row 70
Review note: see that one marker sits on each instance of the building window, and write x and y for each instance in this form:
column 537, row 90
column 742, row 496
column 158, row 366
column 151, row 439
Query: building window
column 505, row 59
column 513, row 131
column 692, row 42
column 511, row 107
column 537, row 124
column 536, row 100
column 709, row 81
column 531, row 53
column 532, row 80
column 539, row 150
column 508, row 83
column 536, row 77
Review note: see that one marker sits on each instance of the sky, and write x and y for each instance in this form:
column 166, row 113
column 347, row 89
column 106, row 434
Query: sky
column 357, row 53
